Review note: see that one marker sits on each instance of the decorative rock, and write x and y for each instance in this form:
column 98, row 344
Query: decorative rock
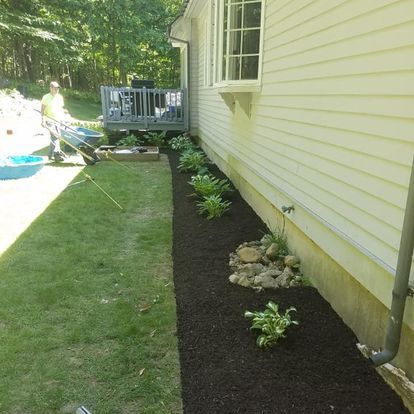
column 251, row 269
column 270, row 284
column 291, row 261
column 272, row 251
column 285, row 278
column 266, row 260
column 263, row 278
column 234, row 261
column 296, row 281
column 288, row 271
column 249, row 255
column 275, row 265
column 234, row 278
column 272, row 273
column 248, row 244
column 244, row 281
column 258, row 266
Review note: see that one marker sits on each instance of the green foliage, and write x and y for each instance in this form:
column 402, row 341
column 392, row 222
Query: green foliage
column 181, row 143
column 207, row 185
column 214, row 206
column 193, row 161
column 271, row 324
column 82, row 109
column 90, row 97
column 130, row 141
column 276, row 236
column 35, row 91
column 84, row 44
column 156, row 139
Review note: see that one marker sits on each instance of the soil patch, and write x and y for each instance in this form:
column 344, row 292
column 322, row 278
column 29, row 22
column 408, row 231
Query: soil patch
column 316, row 369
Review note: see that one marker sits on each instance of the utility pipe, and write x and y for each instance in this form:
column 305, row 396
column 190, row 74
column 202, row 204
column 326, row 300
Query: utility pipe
column 187, row 80
column 401, row 282
column 187, row 43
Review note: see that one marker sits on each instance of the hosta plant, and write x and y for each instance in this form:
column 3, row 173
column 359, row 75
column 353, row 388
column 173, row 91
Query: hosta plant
column 207, row 185
column 271, row 323
column 156, row 139
column 193, row 161
column 213, row 206
column 130, row 141
column 181, row 143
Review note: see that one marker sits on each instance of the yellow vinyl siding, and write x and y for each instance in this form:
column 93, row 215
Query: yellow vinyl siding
column 333, row 127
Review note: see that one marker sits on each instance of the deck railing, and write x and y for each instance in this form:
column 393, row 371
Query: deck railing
column 146, row 109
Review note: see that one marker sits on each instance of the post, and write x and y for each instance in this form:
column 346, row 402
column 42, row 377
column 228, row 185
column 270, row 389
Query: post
column 145, row 103
column 104, row 108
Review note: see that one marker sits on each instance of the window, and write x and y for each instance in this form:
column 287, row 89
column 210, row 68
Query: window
column 239, row 34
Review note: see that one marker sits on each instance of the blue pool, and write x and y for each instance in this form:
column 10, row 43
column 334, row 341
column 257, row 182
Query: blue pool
column 20, row 166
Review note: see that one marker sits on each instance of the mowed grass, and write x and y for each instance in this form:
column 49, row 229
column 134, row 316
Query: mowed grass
column 82, row 109
column 87, row 310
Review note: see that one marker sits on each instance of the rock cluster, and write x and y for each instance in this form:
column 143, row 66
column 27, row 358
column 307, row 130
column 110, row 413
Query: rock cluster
column 259, row 265
column 13, row 104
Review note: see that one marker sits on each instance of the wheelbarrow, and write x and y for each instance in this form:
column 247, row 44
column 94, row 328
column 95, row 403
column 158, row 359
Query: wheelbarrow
column 79, row 139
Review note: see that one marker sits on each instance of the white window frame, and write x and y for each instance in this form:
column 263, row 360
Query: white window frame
column 209, row 45
column 248, row 85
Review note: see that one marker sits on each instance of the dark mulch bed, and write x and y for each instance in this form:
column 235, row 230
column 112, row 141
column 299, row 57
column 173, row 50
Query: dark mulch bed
column 316, row 369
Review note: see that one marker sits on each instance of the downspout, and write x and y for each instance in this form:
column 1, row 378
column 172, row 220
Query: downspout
column 401, row 283
column 187, row 43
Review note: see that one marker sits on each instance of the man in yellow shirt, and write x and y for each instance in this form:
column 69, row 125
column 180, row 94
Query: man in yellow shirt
column 52, row 110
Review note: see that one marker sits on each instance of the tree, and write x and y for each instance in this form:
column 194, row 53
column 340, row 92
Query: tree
column 88, row 43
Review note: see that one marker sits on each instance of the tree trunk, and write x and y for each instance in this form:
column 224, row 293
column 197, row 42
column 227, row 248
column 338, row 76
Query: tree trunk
column 69, row 76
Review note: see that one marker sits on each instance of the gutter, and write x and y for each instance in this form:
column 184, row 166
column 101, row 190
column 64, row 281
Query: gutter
column 401, row 283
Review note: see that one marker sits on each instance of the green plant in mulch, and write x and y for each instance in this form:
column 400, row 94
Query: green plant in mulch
column 213, row 206
column 181, row 143
column 278, row 237
column 207, row 185
column 193, row 161
column 130, row 141
column 271, row 323
column 156, row 139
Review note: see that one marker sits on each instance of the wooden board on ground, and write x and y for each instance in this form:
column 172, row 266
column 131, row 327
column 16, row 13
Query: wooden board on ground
column 108, row 152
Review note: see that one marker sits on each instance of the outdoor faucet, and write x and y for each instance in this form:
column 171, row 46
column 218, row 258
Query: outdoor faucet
column 288, row 209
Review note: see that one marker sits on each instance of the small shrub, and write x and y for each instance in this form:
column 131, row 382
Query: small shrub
column 181, row 143
column 276, row 236
column 213, row 206
column 156, row 139
column 130, row 141
column 207, row 185
column 271, row 324
column 193, row 161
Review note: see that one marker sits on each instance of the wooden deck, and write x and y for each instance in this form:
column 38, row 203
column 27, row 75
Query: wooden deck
column 144, row 109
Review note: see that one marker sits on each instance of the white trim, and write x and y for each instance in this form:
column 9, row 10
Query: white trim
column 218, row 52
column 209, row 45
column 194, row 8
column 237, row 87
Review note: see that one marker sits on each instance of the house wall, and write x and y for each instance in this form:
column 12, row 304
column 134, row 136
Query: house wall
column 331, row 133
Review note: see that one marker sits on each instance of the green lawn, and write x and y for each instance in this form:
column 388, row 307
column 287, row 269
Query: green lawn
column 87, row 313
column 82, row 109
